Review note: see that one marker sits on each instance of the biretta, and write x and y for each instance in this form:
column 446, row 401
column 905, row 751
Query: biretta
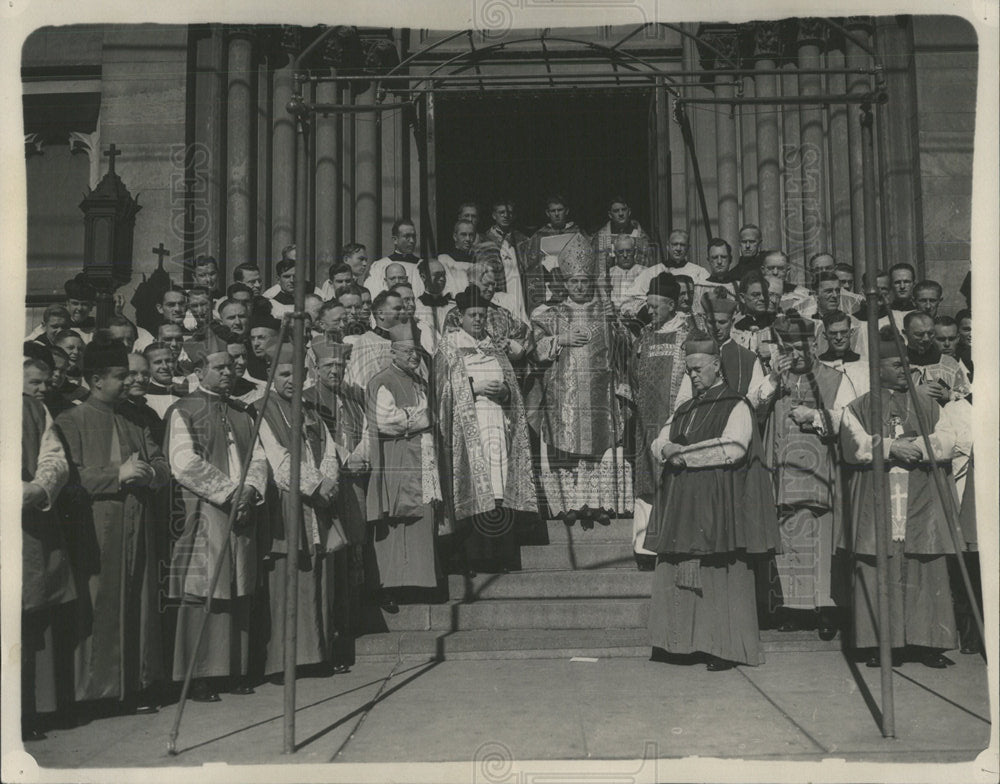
column 99, row 356
column 79, row 288
column 664, row 285
column 887, row 347
column 472, row 297
column 401, row 335
column 700, row 343
column 791, row 328
column 712, row 304
column 324, row 348
column 281, row 353
column 261, row 317
column 199, row 350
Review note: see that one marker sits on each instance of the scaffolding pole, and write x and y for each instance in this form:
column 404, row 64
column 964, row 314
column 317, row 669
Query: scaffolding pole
column 881, row 518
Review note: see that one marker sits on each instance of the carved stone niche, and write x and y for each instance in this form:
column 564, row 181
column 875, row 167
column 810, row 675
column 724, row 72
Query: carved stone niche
column 719, row 49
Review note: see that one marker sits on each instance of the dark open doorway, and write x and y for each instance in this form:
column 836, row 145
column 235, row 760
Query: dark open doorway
column 525, row 145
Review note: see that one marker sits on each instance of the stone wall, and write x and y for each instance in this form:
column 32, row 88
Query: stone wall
column 945, row 66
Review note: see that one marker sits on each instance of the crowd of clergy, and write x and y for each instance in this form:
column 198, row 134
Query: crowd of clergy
column 450, row 404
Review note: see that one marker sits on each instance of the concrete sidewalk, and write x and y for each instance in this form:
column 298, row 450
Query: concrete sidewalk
column 798, row 706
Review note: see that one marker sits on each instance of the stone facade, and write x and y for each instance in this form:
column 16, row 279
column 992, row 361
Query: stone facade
column 209, row 148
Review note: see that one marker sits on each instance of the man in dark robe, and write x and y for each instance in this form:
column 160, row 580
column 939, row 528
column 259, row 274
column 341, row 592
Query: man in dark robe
column 942, row 377
column 741, row 369
column 209, row 440
column 54, row 320
column 162, row 391
column 349, row 564
column 656, row 375
column 837, row 331
column 750, row 242
column 47, row 587
column 320, row 534
column 116, row 469
column 59, row 395
column 805, row 402
column 920, row 601
column 404, row 492
column 80, row 298
column 709, row 523
column 511, row 243
column 264, row 328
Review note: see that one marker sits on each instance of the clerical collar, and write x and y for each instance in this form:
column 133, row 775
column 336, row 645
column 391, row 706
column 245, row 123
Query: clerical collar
column 412, row 374
column 155, row 388
column 674, row 323
column 756, row 320
column 397, row 256
column 461, row 255
column 569, row 226
column 284, row 298
column 100, row 404
column 435, row 300
column 382, row 333
column 723, row 278
column 210, row 393
column 931, row 356
column 829, row 356
column 669, row 264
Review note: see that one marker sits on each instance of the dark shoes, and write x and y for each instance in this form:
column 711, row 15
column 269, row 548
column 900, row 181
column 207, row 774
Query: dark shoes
column 389, row 605
column 826, row 625
column 935, row 660
column 644, row 562
column 202, row 692
column 873, row 660
column 715, row 664
column 929, row 657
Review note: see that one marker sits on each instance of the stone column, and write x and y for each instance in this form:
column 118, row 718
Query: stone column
column 767, row 47
column 814, row 199
column 839, row 159
column 368, row 221
column 239, row 118
column 303, row 134
column 899, row 167
column 726, row 41
column 288, row 43
column 855, row 56
column 791, row 160
column 328, row 168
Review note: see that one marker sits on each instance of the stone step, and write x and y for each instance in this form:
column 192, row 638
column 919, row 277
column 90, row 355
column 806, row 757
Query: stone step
column 578, row 555
column 586, row 614
column 555, row 584
column 544, row 644
column 618, row 530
